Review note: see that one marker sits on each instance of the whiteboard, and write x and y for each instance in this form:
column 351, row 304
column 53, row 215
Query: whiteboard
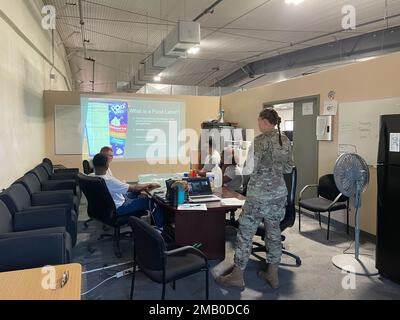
column 68, row 129
column 359, row 126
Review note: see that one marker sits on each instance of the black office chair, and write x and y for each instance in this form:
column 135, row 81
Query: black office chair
column 162, row 266
column 287, row 222
column 232, row 220
column 101, row 207
column 87, row 169
column 329, row 199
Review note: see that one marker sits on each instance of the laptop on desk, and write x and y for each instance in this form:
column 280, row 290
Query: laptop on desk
column 200, row 190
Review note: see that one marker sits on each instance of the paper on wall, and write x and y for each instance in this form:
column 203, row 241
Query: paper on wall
column 394, row 142
column 308, row 109
column 330, row 108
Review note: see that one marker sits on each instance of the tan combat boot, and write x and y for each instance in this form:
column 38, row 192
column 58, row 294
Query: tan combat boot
column 233, row 279
column 271, row 275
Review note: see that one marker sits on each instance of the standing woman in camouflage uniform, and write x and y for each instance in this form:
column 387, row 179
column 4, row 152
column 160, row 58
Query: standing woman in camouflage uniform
column 266, row 199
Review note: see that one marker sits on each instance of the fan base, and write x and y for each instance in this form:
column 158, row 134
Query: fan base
column 364, row 266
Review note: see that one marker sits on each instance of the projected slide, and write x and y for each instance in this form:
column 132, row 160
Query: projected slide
column 134, row 128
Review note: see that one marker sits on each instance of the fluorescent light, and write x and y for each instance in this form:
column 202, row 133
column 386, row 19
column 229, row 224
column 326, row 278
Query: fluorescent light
column 157, row 78
column 193, row 50
column 295, row 2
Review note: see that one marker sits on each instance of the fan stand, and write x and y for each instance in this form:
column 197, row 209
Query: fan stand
column 357, row 264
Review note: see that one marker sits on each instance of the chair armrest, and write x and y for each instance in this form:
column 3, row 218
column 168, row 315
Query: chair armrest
column 305, row 188
column 33, row 251
column 51, row 185
column 335, row 201
column 64, row 176
column 53, row 198
column 66, row 170
column 186, row 249
column 39, row 218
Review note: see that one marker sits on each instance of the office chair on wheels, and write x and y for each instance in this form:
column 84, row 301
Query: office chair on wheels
column 101, row 207
column 287, row 222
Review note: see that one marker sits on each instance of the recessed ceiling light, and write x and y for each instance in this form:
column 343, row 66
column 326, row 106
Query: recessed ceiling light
column 193, row 50
column 157, row 78
column 295, row 2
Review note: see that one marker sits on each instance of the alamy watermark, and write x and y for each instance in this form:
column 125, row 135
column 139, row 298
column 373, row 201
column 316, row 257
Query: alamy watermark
column 349, row 19
column 49, row 19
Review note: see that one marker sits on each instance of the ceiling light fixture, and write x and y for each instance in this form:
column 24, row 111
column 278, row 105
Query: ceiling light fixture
column 295, row 2
column 157, row 78
column 193, row 50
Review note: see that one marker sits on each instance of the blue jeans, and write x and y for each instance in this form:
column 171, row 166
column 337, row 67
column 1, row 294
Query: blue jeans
column 133, row 204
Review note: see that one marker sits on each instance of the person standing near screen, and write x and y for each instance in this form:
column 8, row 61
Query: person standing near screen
column 266, row 200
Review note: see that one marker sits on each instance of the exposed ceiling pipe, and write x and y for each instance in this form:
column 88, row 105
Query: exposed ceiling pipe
column 82, row 23
column 84, row 42
column 210, row 9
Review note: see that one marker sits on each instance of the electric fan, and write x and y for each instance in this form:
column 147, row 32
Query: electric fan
column 351, row 176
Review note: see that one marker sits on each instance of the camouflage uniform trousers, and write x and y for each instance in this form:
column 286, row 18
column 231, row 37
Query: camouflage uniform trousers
column 253, row 213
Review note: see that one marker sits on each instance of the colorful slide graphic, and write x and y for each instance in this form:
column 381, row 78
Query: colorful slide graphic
column 118, row 126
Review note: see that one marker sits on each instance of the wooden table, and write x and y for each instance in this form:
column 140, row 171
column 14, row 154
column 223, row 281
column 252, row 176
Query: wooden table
column 27, row 284
column 205, row 227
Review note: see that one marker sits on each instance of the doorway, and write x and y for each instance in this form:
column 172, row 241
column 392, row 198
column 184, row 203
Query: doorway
column 299, row 120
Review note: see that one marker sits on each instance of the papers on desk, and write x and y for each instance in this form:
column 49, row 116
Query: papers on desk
column 232, row 202
column 193, row 207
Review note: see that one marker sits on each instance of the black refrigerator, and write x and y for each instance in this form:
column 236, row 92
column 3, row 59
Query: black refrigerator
column 388, row 211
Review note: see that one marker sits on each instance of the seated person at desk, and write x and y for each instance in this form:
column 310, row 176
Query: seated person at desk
column 232, row 173
column 109, row 153
column 127, row 197
column 213, row 158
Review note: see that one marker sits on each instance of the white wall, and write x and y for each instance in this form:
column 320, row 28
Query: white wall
column 25, row 56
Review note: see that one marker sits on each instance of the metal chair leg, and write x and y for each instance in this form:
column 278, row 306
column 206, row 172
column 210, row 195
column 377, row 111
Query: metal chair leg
column 329, row 224
column 319, row 218
column 163, row 292
column 299, row 218
column 117, row 248
column 206, row 283
column 133, row 281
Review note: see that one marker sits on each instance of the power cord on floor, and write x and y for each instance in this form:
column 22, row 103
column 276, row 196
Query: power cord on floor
column 345, row 251
column 118, row 275
column 107, row 267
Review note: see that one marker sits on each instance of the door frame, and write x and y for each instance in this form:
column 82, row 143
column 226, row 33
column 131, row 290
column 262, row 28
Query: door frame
column 293, row 100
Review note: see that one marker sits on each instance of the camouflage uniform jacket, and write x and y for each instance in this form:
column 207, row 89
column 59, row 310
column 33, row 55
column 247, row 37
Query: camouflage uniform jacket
column 270, row 162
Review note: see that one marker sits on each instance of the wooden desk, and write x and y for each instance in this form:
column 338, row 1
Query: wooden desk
column 206, row 227
column 27, row 284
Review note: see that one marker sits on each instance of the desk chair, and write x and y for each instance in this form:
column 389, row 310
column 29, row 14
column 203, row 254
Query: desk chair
column 287, row 222
column 101, row 207
column 86, row 167
column 232, row 221
column 162, row 266
column 329, row 199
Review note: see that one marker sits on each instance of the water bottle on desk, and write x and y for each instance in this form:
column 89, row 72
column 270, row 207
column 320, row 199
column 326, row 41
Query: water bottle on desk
column 217, row 172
